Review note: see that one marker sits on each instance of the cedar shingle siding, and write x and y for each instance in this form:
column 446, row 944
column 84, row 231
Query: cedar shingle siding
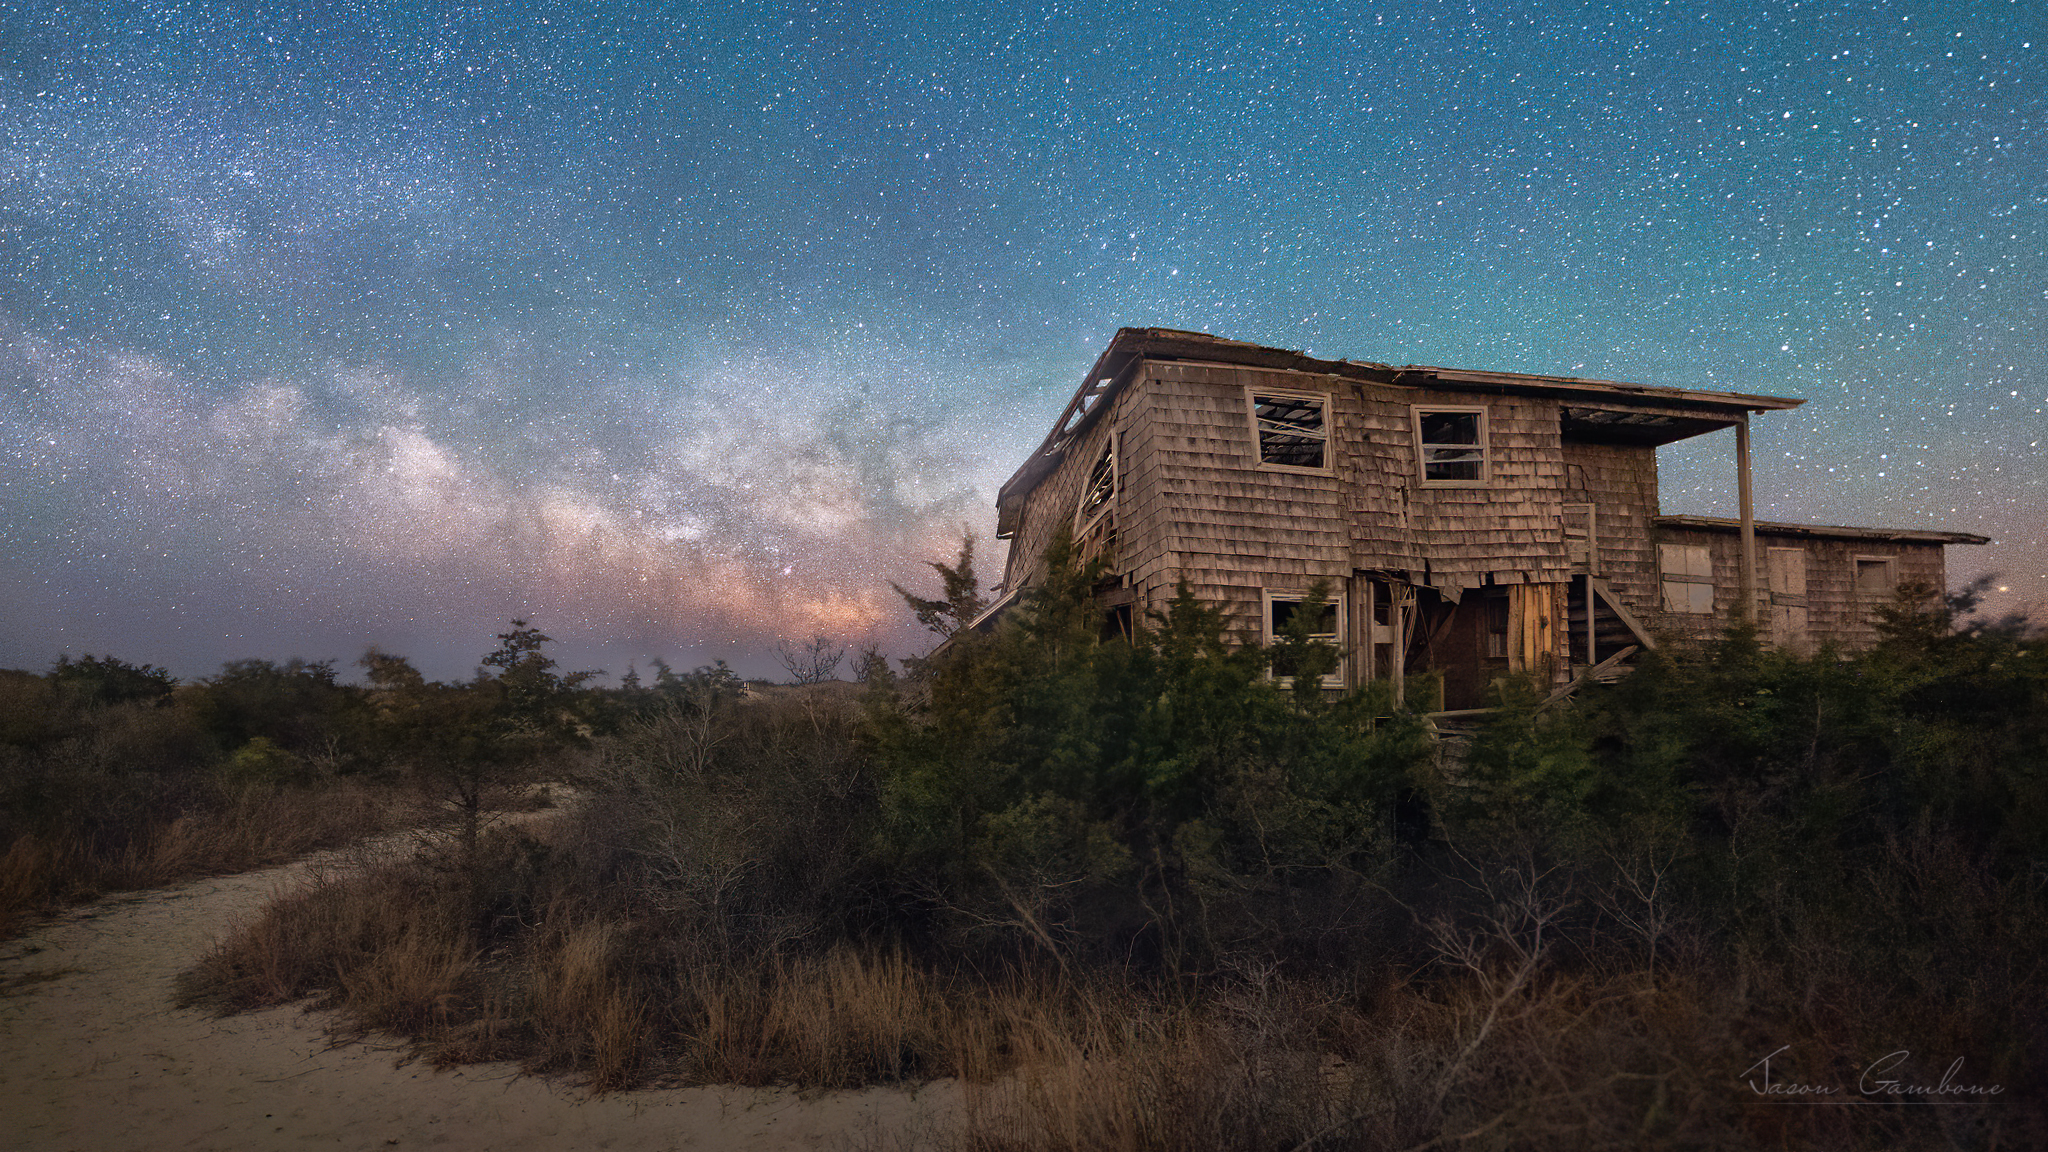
column 1194, row 501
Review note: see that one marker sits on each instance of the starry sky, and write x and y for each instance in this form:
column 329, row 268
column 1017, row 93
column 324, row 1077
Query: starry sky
column 682, row 329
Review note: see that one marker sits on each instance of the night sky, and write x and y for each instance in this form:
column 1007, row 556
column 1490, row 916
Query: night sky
column 687, row 328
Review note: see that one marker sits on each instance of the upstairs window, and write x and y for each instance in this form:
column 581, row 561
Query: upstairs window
column 1688, row 571
column 1450, row 444
column 1293, row 431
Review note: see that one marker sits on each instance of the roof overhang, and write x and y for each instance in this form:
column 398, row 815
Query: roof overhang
column 1600, row 410
column 1822, row 531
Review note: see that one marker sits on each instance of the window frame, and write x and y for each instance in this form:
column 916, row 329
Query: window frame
column 1325, row 399
column 1485, row 444
column 1271, row 596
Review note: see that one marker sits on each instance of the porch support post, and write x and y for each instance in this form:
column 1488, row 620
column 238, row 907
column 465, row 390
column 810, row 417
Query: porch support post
column 1745, row 609
column 1397, row 617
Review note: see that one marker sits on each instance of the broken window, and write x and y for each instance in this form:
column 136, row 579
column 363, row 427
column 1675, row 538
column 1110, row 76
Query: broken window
column 1874, row 579
column 1100, row 491
column 1281, row 608
column 1688, row 571
column 1293, row 431
column 1451, row 445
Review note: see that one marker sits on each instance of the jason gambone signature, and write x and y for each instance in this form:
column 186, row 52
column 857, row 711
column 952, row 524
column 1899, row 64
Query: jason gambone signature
column 1878, row 1081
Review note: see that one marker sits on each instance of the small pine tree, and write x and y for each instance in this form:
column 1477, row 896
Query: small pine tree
column 961, row 601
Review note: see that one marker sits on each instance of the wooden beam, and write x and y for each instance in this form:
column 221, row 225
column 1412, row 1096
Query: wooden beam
column 1592, row 673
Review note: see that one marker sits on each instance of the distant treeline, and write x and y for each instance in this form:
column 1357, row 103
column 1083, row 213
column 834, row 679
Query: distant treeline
column 116, row 775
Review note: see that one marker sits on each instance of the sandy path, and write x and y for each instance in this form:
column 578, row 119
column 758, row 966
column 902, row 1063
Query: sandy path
column 93, row 1056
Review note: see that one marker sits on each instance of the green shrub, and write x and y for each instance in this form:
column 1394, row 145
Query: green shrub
column 259, row 764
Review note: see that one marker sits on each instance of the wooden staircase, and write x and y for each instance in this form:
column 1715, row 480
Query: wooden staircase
column 1614, row 627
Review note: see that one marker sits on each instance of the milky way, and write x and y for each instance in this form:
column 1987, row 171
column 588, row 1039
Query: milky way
column 685, row 329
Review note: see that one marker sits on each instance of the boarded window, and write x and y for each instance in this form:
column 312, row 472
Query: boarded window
column 1787, row 570
column 1281, row 608
column 1874, row 579
column 1451, row 444
column 1293, row 431
column 1688, row 571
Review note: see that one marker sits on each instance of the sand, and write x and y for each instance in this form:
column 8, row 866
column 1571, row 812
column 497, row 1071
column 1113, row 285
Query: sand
column 94, row 1056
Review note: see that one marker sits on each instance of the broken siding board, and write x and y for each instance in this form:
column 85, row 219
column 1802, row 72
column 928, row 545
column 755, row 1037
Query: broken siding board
column 1383, row 472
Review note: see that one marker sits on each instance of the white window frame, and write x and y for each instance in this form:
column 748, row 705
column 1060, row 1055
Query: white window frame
column 1085, row 523
column 1422, row 448
column 1271, row 596
column 1670, row 576
column 1251, row 408
column 1891, row 578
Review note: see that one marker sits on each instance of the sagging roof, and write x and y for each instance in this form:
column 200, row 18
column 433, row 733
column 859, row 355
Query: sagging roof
column 1822, row 531
column 1595, row 409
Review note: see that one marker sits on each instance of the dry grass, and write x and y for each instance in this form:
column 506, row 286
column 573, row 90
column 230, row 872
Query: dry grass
column 357, row 935
column 1565, row 1057
column 43, row 870
column 842, row 1020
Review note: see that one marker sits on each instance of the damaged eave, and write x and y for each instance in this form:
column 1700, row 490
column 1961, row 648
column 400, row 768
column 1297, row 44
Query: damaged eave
column 1732, row 403
column 1097, row 392
column 1823, row 531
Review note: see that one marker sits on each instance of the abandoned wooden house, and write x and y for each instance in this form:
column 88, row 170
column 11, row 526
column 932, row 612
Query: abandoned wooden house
column 1469, row 524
